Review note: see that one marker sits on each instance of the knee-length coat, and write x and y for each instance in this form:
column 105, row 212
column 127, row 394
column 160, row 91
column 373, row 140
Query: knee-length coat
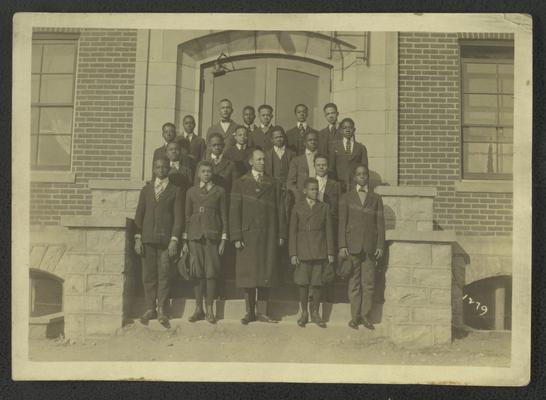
column 257, row 219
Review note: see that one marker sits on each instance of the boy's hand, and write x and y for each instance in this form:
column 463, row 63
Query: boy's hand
column 173, row 247
column 185, row 248
column 378, row 253
column 294, row 260
column 330, row 259
column 139, row 248
column 343, row 252
column 281, row 242
column 239, row 244
column 222, row 247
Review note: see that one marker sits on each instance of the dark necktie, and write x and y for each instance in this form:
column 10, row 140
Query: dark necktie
column 348, row 147
column 204, row 189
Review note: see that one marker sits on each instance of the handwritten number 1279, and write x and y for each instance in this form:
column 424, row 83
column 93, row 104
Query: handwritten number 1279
column 479, row 306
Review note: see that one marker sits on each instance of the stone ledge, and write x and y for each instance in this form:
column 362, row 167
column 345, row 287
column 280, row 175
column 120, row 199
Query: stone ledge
column 421, row 236
column 92, row 221
column 115, row 184
column 406, row 191
column 484, row 186
column 53, row 176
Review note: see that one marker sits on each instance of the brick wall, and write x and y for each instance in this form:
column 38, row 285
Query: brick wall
column 430, row 131
column 103, row 115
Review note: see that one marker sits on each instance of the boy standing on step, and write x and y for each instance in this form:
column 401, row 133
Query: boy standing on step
column 311, row 248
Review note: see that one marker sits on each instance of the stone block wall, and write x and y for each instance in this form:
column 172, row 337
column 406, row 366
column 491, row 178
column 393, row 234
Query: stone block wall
column 418, row 292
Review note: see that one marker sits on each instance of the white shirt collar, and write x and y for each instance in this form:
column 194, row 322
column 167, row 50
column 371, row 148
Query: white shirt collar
column 365, row 187
column 190, row 136
column 256, row 174
column 309, row 152
column 215, row 157
column 265, row 127
column 209, row 185
column 310, row 202
column 250, row 127
column 240, row 146
column 225, row 125
column 321, row 178
column 352, row 140
column 334, row 125
column 304, row 124
column 279, row 150
column 161, row 182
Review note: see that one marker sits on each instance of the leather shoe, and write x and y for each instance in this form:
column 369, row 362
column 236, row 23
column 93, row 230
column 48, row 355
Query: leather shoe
column 367, row 324
column 266, row 318
column 315, row 317
column 163, row 320
column 303, row 319
column 353, row 324
column 198, row 315
column 248, row 318
column 147, row 316
column 210, row 315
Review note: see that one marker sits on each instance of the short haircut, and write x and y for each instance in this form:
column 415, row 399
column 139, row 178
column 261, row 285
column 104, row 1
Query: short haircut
column 308, row 181
column 177, row 143
column 164, row 159
column 204, row 163
column 311, row 133
column 278, row 128
column 228, row 100
column 300, row 105
column 360, row 165
column 240, row 127
column 347, row 120
column 251, row 155
column 320, row 155
column 188, row 116
column 249, row 108
column 329, row 105
column 168, row 124
column 265, row 106
column 216, row 135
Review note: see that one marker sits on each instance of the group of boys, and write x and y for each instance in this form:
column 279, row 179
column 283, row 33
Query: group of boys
column 300, row 195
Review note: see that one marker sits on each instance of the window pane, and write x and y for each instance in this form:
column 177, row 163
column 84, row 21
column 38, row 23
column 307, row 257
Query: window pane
column 479, row 157
column 506, row 135
column 505, row 158
column 35, row 89
column 54, row 151
column 34, row 114
column 56, row 89
column 480, row 78
column 294, row 87
column 506, row 78
column 506, row 112
column 480, row 134
column 59, row 58
column 55, row 120
column 33, row 142
column 480, row 109
column 36, row 57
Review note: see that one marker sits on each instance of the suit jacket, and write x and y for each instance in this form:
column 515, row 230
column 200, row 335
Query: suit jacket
column 361, row 227
column 217, row 128
column 158, row 221
column 161, row 152
column 181, row 178
column 257, row 218
column 287, row 157
column 223, row 173
column 239, row 158
column 196, row 149
column 297, row 173
column 342, row 164
column 311, row 231
column 332, row 195
column 262, row 139
column 327, row 139
column 296, row 140
column 206, row 214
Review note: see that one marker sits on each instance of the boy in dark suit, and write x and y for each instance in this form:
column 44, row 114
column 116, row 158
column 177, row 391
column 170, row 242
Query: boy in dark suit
column 239, row 153
column 329, row 189
column 226, row 126
column 311, row 247
column 332, row 132
column 362, row 239
column 205, row 237
column 296, row 135
column 159, row 221
column 346, row 153
column 179, row 175
column 257, row 228
column 262, row 137
column 223, row 168
column 249, row 115
column 195, row 145
column 168, row 131
column 303, row 166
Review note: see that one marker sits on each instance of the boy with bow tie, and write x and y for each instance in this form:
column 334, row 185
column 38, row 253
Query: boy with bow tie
column 311, row 247
column 159, row 221
column 226, row 126
column 262, row 137
column 362, row 240
column 205, row 237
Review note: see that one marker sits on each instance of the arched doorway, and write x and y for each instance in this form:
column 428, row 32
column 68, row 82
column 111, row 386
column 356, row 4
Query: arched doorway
column 280, row 81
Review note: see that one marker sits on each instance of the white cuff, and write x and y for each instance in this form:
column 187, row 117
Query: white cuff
column 224, row 236
column 138, row 236
column 185, row 236
column 174, row 238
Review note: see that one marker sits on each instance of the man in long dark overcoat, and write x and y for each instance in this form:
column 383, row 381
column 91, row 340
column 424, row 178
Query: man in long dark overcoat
column 257, row 228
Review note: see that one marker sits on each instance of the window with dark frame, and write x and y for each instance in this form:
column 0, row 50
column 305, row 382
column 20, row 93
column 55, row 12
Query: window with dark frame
column 52, row 100
column 487, row 104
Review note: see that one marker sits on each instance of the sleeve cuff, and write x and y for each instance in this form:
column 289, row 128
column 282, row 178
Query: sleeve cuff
column 138, row 236
column 174, row 238
column 185, row 236
column 224, row 236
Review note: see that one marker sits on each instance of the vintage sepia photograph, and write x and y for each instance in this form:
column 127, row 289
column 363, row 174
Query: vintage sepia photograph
column 309, row 198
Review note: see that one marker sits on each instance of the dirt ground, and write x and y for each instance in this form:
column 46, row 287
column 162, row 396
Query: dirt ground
column 267, row 343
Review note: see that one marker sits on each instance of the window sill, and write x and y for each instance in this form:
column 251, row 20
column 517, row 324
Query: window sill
column 484, row 186
column 53, row 176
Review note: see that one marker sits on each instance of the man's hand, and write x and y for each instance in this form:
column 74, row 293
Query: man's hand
column 281, row 242
column 378, row 253
column 294, row 260
column 222, row 247
column 343, row 252
column 330, row 259
column 239, row 244
column 139, row 248
column 173, row 247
